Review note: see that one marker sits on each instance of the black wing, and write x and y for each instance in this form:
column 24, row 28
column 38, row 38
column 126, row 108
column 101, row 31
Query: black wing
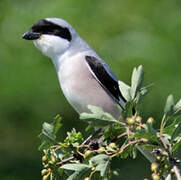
column 106, row 78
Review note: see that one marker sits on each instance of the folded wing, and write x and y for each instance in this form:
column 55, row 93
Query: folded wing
column 106, row 78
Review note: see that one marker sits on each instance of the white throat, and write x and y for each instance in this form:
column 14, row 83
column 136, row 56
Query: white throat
column 52, row 46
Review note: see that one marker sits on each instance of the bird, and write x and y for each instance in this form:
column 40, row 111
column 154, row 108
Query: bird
column 84, row 77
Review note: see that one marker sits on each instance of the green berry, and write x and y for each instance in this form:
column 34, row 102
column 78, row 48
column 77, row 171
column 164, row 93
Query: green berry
column 45, row 177
column 138, row 128
column 86, row 178
column 154, row 167
column 53, row 159
column 150, row 120
column 44, row 172
column 166, row 166
column 172, row 171
column 163, row 158
column 138, row 119
column 87, row 154
column 155, row 176
column 112, row 145
column 44, row 158
column 130, row 121
column 158, row 158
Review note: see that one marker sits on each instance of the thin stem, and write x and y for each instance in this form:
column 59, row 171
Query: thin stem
column 65, row 160
column 121, row 135
column 128, row 144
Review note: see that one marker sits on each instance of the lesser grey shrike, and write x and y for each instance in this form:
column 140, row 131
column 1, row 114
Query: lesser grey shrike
column 84, row 77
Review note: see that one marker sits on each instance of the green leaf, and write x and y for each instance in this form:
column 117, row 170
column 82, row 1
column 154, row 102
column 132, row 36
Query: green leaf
column 101, row 161
column 80, row 170
column 147, row 135
column 98, row 117
column 75, row 166
column 169, row 105
column 136, row 80
column 59, row 154
column 167, row 139
column 129, row 106
column 127, row 152
column 74, row 138
column 177, row 144
column 47, row 137
column 125, row 90
column 48, row 131
column 169, row 129
column 48, row 134
column 177, row 132
column 177, row 108
column 57, row 124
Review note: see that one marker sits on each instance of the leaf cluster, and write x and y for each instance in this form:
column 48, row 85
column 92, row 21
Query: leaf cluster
column 78, row 158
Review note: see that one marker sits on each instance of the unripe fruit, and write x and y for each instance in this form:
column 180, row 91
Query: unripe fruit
column 112, row 145
column 116, row 173
column 155, row 176
column 172, row 171
column 158, row 158
column 44, row 172
column 101, row 149
column 45, row 177
column 150, row 120
column 154, row 167
column 130, row 121
column 166, row 166
column 44, row 158
column 87, row 153
column 138, row 128
column 45, row 165
column 163, row 158
column 138, row 119
column 53, row 160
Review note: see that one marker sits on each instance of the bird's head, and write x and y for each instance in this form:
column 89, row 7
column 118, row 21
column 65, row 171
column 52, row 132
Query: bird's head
column 52, row 36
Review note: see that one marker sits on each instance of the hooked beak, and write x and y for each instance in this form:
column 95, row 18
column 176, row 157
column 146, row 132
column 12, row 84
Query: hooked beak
column 30, row 35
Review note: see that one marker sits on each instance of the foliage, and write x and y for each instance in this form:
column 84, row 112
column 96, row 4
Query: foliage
column 78, row 158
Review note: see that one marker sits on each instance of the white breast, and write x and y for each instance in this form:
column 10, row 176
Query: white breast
column 81, row 88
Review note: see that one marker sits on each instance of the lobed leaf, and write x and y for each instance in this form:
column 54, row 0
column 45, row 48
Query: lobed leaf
column 98, row 117
column 101, row 161
column 80, row 170
column 48, row 134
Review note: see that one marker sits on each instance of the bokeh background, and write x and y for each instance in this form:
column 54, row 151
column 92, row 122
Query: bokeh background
column 126, row 33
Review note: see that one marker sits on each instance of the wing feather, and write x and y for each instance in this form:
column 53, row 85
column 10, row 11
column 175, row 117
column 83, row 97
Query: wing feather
column 106, row 78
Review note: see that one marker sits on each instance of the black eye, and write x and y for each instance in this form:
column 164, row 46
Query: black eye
column 45, row 27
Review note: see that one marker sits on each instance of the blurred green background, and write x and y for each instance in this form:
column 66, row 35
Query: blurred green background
column 124, row 33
